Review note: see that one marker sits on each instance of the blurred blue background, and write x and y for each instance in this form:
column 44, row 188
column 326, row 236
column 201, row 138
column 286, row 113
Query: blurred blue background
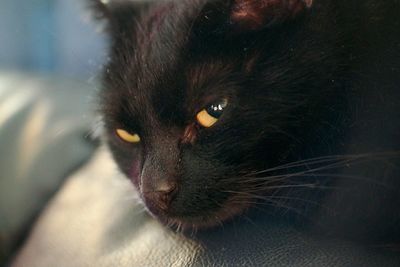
column 50, row 36
column 50, row 56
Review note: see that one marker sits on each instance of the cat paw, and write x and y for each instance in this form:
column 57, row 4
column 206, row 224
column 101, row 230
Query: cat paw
column 256, row 14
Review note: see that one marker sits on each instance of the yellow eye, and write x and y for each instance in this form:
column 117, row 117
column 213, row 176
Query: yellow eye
column 127, row 137
column 205, row 119
column 210, row 115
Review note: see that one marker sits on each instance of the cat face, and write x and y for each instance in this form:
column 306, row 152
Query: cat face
column 200, row 96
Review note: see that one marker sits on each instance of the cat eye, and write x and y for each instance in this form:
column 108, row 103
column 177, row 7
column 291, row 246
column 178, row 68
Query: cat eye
column 128, row 137
column 211, row 114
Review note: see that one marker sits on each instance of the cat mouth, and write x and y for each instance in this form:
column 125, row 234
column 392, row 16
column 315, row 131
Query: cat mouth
column 180, row 221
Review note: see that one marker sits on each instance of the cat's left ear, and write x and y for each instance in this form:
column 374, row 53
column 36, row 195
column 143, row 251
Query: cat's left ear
column 257, row 14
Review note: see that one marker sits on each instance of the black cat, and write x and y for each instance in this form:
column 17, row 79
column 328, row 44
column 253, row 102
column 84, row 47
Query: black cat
column 213, row 108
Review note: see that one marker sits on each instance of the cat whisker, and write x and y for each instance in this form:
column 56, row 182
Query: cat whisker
column 139, row 212
column 247, row 195
column 310, row 172
column 178, row 228
column 257, row 182
column 300, row 163
column 311, row 186
column 275, row 204
column 324, row 167
column 253, row 175
column 194, row 230
column 301, row 200
column 324, row 159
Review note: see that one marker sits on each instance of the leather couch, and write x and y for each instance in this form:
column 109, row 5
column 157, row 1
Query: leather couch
column 55, row 181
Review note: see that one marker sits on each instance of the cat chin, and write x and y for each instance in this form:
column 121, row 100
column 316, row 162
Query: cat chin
column 206, row 220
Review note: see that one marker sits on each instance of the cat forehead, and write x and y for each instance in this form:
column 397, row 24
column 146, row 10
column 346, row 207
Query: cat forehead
column 158, row 61
column 157, row 45
column 181, row 95
column 163, row 38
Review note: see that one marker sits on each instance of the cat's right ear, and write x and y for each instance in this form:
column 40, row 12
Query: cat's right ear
column 117, row 14
column 100, row 9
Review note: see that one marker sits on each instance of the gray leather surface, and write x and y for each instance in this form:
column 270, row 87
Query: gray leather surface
column 96, row 220
column 43, row 124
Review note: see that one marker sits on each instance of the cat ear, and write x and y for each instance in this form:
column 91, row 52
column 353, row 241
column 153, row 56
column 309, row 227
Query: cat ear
column 113, row 11
column 119, row 16
column 99, row 8
column 257, row 14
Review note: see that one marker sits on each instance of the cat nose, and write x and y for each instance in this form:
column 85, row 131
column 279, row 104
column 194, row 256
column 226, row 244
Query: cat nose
column 162, row 195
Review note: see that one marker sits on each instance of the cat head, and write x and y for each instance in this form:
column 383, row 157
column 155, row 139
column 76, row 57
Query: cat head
column 200, row 97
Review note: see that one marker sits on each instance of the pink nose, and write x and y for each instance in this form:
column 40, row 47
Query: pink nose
column 162, row 196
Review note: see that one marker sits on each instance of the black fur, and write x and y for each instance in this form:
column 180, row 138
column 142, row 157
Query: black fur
column 302, row 84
